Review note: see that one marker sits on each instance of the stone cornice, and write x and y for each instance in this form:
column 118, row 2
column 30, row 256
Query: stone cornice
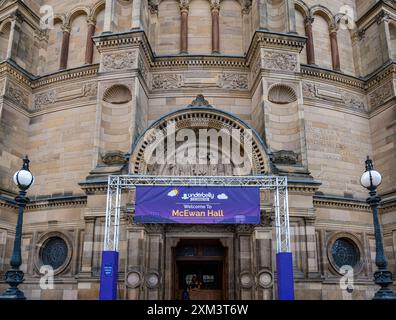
column 324, row 201
column 332, row 76
column 47, row 203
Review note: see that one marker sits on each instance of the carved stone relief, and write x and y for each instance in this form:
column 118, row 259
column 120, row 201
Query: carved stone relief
column 279, row 61
column 233, row 81
column 64, row 94
column 380, row 95
column 119, row 61
column 230, row 81
column 333, row 94
column 17, row 95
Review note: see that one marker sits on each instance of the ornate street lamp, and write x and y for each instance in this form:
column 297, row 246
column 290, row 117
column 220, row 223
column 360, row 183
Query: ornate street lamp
column 14, row 277
column 371, row 179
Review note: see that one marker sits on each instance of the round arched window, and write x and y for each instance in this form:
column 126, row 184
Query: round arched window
column 345, row 252
column 54, row 252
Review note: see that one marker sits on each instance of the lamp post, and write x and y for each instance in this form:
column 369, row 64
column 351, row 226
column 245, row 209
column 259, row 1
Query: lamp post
column 14, row 277
column 371, row 179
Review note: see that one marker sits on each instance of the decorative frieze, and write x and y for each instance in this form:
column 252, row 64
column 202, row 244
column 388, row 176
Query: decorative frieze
column 381, row 95
column 17, row 95
column 119, row 61
column 333, row 94
column 167, row 81
column 64, row 94
column 233, row 81
column 279, row 61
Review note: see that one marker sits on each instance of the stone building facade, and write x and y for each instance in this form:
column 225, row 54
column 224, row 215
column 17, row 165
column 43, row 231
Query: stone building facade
column 314, row 79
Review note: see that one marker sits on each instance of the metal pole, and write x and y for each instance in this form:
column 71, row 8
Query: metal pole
column 15, row 276
column 382, row 276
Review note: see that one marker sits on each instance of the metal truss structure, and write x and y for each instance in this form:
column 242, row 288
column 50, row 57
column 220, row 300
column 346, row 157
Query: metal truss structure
column 118, row 184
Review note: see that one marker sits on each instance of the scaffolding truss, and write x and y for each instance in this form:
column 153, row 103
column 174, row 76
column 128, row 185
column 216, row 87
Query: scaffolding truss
column 118, row 184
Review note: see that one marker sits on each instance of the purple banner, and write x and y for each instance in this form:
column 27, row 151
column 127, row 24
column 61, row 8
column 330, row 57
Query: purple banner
column 197, row 205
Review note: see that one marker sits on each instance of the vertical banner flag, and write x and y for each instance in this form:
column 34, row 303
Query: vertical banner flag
column 197, row 205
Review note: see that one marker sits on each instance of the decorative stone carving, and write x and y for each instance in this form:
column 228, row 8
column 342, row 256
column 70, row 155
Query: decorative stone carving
column 153, row 6
column 379, row 96
column 199, row 101
column 265, row 279
column 17, row 95
column 184, row 5
column 50, row 97
column 142, row 69
column 167, row 81
column 353, row 101
column 280, row 61
column 114, row 158
column 246, row 280
column 117, row 94
column 90, row 89
column 44, row 99
column 119, row 61
column 235, row 81
column 309, row 90
column 134, row 279
column 282, row 94
column 285, row 157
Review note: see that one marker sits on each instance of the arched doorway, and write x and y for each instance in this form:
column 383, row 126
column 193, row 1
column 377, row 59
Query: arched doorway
column 200, row 269
column 219, row 275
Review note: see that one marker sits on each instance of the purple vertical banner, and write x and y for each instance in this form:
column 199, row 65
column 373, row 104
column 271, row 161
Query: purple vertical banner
column 109, row 276
column 284, row 267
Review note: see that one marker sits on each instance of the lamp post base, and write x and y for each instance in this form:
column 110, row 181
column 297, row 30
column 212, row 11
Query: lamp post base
column 384, row 279
column 12, row 294
column 14, row 278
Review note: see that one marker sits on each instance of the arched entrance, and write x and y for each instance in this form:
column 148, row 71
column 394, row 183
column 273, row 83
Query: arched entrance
column 154, row 258
column 200, row 268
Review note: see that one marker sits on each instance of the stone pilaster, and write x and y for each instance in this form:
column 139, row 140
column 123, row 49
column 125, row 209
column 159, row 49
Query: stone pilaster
column 109, row 16
column 263, row 14
column 291, row 15
column 137, row 14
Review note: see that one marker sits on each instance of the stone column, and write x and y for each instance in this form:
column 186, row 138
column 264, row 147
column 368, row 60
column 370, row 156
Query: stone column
column 291, row 14
column 184, row 26
column 90, row 45
column 109, row 15
column 11, row 39
column 65, row 48
column 310, row 43
column 335, row 55
column 215, row 8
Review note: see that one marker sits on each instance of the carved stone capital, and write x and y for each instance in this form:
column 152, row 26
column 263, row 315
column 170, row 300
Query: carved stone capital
column 382, row 17
column 153, row 6
column 309, row 20
column 215, row 5
column 184, row 5
column 66, row 28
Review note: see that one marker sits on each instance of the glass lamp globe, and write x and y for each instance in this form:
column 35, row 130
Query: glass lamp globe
column 371, row 178
column 23, row 179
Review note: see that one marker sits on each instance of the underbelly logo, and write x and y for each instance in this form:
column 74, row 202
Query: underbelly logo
column 347, row 281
